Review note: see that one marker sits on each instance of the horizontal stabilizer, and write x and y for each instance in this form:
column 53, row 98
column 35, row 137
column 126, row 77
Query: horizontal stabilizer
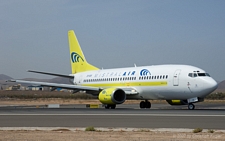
column 54, row 74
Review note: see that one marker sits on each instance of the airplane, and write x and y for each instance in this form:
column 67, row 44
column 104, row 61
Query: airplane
column 177, row 84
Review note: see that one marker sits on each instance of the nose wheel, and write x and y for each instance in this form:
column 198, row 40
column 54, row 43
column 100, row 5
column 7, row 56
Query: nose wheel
column 191, row 106
column 145, row 104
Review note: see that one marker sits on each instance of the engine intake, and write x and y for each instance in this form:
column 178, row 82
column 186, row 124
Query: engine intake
column 112, row 96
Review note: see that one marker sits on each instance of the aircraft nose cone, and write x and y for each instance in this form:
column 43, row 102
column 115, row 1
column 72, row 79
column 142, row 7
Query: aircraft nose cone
column 212, row 84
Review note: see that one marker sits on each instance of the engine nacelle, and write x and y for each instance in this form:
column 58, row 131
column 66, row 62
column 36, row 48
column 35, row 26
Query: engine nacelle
column 112, row 96
column 177, row 102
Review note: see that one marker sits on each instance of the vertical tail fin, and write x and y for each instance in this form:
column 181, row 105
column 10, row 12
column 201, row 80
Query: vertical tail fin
column 77, row 59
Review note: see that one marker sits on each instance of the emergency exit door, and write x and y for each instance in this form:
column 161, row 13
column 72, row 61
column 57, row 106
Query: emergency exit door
column 176, row 78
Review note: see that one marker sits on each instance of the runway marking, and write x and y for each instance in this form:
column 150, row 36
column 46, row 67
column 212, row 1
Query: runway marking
column 164, row 115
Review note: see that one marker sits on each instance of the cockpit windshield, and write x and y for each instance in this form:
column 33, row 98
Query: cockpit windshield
column 198, row 74
column 203, row 74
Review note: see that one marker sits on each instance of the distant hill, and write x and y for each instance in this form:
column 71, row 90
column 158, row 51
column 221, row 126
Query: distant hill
column 4, row 77
column 221, row 85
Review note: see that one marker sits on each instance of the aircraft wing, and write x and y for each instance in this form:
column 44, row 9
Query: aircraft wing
column 130, row 91
column 88, row 89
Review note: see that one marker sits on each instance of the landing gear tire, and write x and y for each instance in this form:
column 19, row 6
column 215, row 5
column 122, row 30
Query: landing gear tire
column 191, row 106
column 109, row 106
column 113, row 106
column 142, row 104
column 148, row 104
column 145, row 104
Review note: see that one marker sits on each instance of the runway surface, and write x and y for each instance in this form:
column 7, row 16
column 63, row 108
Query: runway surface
column 206, row 116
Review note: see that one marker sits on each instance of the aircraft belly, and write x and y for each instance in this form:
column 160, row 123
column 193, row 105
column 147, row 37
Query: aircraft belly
column 164, row 93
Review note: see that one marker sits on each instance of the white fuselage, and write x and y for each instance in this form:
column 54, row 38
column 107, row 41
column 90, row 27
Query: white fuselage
column 153, row 82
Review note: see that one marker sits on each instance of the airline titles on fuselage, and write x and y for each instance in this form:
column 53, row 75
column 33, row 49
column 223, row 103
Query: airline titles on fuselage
column 122, row 76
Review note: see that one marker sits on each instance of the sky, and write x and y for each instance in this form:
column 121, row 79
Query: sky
column 112, row 34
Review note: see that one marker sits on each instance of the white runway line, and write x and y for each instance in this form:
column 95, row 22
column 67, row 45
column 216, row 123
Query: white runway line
column 163, row 115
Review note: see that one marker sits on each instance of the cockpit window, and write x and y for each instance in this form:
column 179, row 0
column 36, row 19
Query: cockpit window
column 203, row 74
column 198, row 74
column 192, row 75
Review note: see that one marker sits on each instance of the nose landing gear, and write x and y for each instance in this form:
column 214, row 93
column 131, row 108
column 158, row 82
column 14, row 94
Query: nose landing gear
column 191, row 106
column 145, row 104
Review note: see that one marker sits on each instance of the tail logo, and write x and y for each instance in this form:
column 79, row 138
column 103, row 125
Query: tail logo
column 76, row 57
column 145, row 72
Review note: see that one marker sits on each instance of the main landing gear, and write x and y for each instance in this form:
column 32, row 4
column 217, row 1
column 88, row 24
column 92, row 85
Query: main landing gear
column 191, row 106
column 110, row 106
column 145, row 104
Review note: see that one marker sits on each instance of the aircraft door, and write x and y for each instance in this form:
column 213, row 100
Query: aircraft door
column 77, row 79
column 80, row 79
column 176, row 78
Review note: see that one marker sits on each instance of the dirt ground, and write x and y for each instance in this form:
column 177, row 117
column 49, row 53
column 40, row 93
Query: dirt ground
column 23, row 135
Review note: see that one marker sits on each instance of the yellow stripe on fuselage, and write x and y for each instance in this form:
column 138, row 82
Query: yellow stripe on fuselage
column 121, row 84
